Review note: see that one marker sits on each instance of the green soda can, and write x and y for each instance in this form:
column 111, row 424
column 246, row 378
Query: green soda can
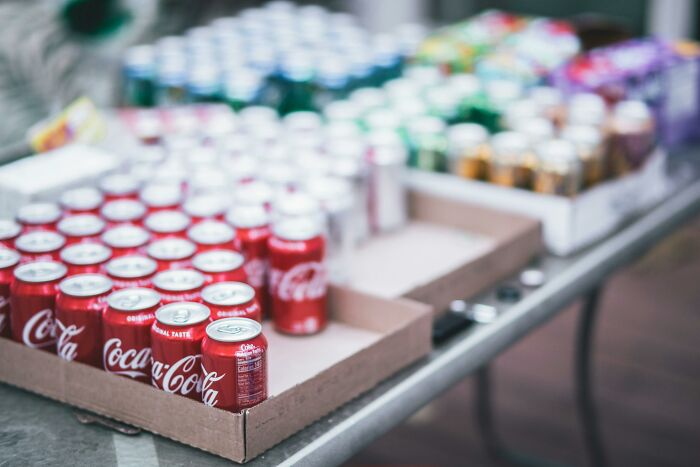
column 296, row 81
column 204, row 85
column 138, row 70
column 428, row 144
column 487, row 108
column 171, row 79
column 242, row 88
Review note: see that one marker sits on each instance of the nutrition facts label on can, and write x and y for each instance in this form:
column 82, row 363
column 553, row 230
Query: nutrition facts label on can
column 251, row 380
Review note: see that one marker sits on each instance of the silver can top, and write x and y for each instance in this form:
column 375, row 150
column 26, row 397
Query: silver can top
column 118, row 184
column 126, row 236
column 9, row 229
column 81, row 225
column 82, row 254
column 133, row 299
column 40, row 241
column 296, row 204
column 8, row 258
column 228, row 293
column 218, row 261
column 178, row 280
column 466, row 135
column 131, row 267
column 298, row 228
column 123, row 210
column 234, row 329
column 40, row 271
column 38, row 213
column 85, row 285
column 205, row 205
column 171, row 249
column 210, row 232
column 246, row 217
column 161, row 194
column 81, row 199
column 256, row 192
column 182, row 314
column 167, row 221
column 584, row 136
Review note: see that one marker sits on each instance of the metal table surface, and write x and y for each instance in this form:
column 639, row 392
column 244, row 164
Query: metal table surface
column 35, row 430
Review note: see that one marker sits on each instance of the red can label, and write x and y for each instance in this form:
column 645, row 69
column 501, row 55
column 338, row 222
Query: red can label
column 133, row 361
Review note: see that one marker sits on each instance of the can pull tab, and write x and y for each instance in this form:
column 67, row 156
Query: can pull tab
column 87, row 418
column 230, row 329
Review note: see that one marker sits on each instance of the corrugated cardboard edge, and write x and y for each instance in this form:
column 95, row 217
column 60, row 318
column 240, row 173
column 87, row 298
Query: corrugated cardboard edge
column 518, row 240
column 89, row 388
column 408, row 327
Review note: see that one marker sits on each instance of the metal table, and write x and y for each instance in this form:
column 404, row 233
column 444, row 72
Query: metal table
column 336, row 437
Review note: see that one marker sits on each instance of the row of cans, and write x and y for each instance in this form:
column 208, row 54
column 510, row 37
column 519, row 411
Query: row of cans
column 212, row 351
column 281, row 55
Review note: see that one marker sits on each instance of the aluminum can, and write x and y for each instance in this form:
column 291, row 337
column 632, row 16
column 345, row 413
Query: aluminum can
column 467, row 150
column 131, row 271
column 172, row 253
column 559, row 170
column 118, row 187
column 590, row 148
column 176, row 348
column 182, row 285
column 167, row 224
column 253, row 232
column 123, row 212
column 203, row 207
column 81, row 228
column 126, row 333
column 40, row 245
column 126, row 240
column 9, row 231
column 213, row 235
column 81, row 201
column 232, row 300
column 633, row 136
column 9, row 259
column 512, row 162
column 234, row 364
column 81, row 301
column 387, row 168
column 38, row 216
column 161, row 196
column 32, row 304
column 298, row 278
column 85, row 258
column 221, row 266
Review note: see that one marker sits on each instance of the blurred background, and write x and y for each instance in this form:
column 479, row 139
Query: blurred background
column 648, row 372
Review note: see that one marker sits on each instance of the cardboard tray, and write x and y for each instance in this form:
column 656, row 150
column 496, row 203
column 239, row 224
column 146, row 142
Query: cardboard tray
column 569, row 224
column 449, row 250
column 367, row 340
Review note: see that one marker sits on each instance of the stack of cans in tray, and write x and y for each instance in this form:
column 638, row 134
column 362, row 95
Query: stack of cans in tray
column 164, row 271
column 280, row 55
column 501, row 131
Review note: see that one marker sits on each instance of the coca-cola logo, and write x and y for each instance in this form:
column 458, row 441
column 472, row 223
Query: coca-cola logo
column 129, row 362
column 255, row 270
column 178, row 377
column 209, row 395
column 39, row 331
column 65, row 348
column 305, row 281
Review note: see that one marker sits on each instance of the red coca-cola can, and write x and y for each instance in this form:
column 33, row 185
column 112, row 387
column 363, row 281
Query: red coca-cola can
column 38, row 216
column 9, row 231
column 213, row 235
column 40, row 245
column 232, row 300
column 254, row 193
column 131, row 271
column 126, row 240
column 119, row 186
column 298, row 279
column 81, row 301
column 126, row 333
column 123, row 212
column 176, row 345
column 161, row 196
column 9, row 259
column 86, row 258
column 253, row 232
column 81, row 228
column 203, row 207
column 172, row 253
column 234, row 364
column 32, row 303
column 81, row 201
column 167, row 224
column 181, row 285
column 221, row 266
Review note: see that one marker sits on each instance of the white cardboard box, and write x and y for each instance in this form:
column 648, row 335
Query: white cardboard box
column 569, row 224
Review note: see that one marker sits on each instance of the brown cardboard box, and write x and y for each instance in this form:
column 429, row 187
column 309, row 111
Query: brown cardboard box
column 367, row 340
column 449, row 250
